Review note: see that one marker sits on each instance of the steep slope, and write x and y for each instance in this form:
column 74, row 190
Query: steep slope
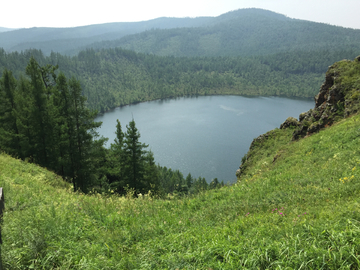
column 296, row 206
column 338, row 98
column 301, row 209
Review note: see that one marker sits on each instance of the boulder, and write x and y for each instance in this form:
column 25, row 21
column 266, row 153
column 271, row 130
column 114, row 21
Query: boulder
column 290, row 122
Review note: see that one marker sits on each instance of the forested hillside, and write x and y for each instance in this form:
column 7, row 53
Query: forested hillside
column 115, row 77
column 242, row 32
column 243, row 52
column 44, row 120
column 70, row 40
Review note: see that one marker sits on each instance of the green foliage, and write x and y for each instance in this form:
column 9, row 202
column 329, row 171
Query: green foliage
column 300, row 211
column 115, row 77
column 242, row 36
column 135, row 168
column 43, row 118
column 173, row 182
column 243, row 32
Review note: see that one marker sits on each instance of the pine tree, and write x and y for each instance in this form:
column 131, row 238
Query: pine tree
column 44, row 118
column 9, row 133
column 115, row 160
column 134, row 153
column 151, row 175
column 189, row 180
column 41, row 126
column 81, row 138
column 214, row 184
column 64, row 127
column 22, row 111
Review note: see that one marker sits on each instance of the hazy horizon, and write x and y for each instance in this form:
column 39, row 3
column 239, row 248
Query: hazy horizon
column 39, row 13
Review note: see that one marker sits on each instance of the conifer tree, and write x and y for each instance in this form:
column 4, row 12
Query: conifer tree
column 23, row 118
column 151, row 176
column 9, row 133
column 64, row 127
column 44, row 118
column 134, row 153
column 81, row 140
column 115, row 160
column 41, row 127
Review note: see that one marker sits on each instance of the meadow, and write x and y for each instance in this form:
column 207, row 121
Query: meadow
column 297, row 207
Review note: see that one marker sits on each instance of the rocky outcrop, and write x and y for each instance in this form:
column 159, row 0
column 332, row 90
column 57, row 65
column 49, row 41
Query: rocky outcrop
column 339, row 97
column 290, row 122
column 336, row 99
column 257, row 141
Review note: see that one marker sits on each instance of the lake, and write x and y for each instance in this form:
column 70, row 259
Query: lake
column 206, row 136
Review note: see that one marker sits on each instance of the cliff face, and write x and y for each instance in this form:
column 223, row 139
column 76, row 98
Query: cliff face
column 339, row 97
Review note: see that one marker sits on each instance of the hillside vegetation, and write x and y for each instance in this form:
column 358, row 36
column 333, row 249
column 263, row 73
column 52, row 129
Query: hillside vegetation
column 44, row 120
column 116, row 77
column 295, row 206
column 71, row 40
column 244, row 52
column 242, row 32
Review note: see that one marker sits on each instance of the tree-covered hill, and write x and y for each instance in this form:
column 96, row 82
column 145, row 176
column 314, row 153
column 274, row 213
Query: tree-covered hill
column 242, row 32
column 69, row 40
column 115, row 77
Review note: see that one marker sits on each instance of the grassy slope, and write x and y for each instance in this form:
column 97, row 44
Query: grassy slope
column 302, row 210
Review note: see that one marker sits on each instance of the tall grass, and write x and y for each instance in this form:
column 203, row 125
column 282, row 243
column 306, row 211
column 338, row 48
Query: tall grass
column 297, row 211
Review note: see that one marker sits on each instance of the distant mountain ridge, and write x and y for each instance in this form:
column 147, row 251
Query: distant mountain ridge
column 4, row 29
column 242, row 32
column 43, row 37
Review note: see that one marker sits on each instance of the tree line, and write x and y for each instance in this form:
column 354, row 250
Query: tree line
column 115, row 77
column 44, row 119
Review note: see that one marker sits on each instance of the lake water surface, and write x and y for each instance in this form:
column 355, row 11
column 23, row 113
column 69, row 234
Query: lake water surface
column 206, row 136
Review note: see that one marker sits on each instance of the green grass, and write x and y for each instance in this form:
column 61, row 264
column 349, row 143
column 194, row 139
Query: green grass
column 300, row 211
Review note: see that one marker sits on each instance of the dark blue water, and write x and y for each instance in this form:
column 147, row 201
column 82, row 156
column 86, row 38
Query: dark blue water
column 206, row 136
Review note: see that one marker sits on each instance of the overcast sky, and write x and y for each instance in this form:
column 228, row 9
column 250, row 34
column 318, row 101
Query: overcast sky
column 70, row 13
